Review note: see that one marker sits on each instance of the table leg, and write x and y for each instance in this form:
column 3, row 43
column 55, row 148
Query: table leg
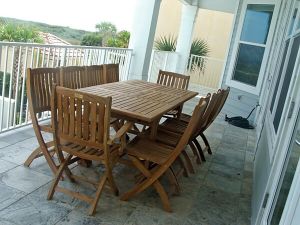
column 154, row 126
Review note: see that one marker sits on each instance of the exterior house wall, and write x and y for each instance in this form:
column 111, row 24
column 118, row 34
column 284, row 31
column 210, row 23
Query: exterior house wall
column 239, row 103
column 212, row 26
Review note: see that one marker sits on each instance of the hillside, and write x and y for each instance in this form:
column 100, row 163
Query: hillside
column 71, row 35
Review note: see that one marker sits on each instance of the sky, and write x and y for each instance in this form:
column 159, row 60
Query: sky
column 78, row 14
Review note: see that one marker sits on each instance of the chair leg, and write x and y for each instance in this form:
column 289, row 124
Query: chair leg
column 111, row 182
column 189, row 162
column 173, row 181
column 195, row 141
column 206, row 143
column 32, row 156
column 185, row 169
column 38, row 153
column 58, row 176
column 140, row 187
column 196, row 153
column 98, row 194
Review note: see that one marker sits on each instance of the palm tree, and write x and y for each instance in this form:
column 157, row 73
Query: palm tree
column 199, row 47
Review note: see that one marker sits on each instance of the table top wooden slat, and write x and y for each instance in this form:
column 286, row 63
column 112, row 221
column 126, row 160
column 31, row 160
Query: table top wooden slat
column 141, row 100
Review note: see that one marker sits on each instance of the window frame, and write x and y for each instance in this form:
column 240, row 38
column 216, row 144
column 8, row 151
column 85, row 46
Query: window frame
column 237, row 41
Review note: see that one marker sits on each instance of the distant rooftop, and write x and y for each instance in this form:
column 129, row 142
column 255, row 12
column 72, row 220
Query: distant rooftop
column 51, row 39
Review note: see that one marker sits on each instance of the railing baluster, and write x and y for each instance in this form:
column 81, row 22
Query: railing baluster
column 3, row 86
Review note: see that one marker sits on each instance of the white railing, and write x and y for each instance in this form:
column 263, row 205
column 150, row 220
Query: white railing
column 205, row 71
column 16, row 57
column 161, row 60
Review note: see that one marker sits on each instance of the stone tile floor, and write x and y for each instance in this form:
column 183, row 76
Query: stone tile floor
column 218, row 194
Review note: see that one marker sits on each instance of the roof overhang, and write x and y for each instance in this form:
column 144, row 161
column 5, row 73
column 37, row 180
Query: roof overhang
column 228, row 6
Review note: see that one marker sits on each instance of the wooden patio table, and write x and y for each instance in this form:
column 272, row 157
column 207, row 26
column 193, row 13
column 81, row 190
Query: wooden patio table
column 140, row 101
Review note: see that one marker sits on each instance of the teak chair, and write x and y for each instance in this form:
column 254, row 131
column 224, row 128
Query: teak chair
column 39, row 89
column 95, row 75
column 171, row 137
column 73, row 77
column 161, row 157
column 214, row 107
column 111, row 73
column 174, row 80
column 81, row 129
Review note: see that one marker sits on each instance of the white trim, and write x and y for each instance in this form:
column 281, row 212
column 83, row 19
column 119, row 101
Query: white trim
column 239, row 85
column 229, row 44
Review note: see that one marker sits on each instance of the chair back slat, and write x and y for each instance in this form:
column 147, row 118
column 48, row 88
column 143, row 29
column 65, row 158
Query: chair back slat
column 196, row 119
column 73, row 77
column 174, row 80
column 81, row 118
column 111, row 73
column 219, row 105
column 95, row 75
column 39, row 88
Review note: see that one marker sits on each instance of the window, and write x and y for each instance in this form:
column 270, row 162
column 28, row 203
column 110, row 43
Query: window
column 250, row 49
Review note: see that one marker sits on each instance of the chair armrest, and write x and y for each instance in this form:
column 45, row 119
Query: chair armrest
column 120, row 133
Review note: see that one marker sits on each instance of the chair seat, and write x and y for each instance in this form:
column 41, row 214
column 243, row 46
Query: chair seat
column 144, row 148
column 185, row 117
column 173, row 125
column 87, row 152
column 172, row 112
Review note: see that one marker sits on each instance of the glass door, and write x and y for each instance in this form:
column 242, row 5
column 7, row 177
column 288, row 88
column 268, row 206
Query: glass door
column 286, row 179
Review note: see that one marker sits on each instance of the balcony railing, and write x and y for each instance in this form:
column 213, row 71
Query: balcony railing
column 205, row 72
column 16, row 57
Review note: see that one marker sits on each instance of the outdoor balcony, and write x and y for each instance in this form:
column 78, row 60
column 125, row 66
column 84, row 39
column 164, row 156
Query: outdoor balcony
column 218, row 193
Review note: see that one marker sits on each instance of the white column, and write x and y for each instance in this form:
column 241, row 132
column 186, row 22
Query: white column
column 142, row 37
column 184, row 41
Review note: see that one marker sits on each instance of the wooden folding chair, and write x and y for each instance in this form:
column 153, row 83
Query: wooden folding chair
column 174, row 80
column 95, row 75
column 214, row 107
column 171, row 137
column 73, row 77
column 160, row 158
column 39, row 88
column 111, row 73
column 81, row 129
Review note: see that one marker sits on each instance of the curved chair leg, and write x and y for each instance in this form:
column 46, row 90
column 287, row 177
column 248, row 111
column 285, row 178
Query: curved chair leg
column 38, row 153
column 140, row 187
column 195, row 141
column 206, row 143
column 196, row 153
column 189, row 162
column 175, row 188
column 184, row 167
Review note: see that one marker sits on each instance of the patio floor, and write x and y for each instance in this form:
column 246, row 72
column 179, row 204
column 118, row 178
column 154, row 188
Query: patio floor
column 219, row 193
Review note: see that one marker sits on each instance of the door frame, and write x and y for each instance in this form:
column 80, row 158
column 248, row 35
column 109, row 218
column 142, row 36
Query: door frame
column 281, row 150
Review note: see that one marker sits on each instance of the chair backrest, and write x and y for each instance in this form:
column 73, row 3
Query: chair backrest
column 81, row 118
column 73, row 77
column 174, row 80
column 111, row 73
column 196, row 119
column 95, row 75
column 39, row 88
column 218, row 106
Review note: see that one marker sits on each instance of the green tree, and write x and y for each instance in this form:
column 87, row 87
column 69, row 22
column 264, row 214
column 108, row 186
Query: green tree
column 91, row 40
column 121, row 40
column 17, row 33
column 106, row 30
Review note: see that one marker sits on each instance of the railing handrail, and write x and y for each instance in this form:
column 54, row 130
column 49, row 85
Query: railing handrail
column 207, row 57
column 168, row 52
column 61, row 46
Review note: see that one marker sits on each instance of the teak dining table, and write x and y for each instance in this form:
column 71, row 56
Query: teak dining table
column 141, row 101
